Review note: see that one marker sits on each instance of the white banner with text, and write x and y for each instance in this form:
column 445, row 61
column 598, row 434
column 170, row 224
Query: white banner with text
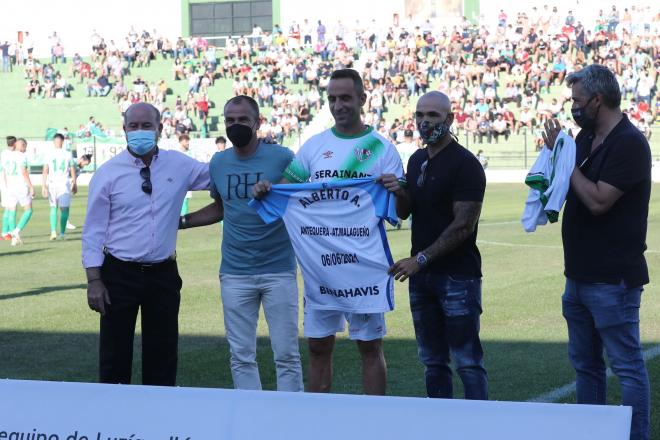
column 34, row 410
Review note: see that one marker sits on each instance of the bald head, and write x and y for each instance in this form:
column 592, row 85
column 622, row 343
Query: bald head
column 434, row 117
column 142, row 116
column 437, row 100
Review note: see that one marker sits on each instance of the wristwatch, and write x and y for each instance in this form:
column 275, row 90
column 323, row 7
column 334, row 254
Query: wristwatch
column 183, row 222
column 422, row 259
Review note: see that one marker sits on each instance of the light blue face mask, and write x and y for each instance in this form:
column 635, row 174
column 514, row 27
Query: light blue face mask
column 141, row 141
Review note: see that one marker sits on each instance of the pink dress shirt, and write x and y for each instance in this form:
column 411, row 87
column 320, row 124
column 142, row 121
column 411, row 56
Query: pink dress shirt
column 133, row 225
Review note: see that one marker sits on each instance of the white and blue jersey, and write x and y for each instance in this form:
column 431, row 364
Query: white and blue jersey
column 339, row 239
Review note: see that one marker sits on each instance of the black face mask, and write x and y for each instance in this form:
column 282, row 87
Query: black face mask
column 582, row 120
column 240, row 135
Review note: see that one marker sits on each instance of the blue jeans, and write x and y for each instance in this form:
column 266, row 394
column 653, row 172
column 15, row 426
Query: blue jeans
column 607, row 316
column 445, row 313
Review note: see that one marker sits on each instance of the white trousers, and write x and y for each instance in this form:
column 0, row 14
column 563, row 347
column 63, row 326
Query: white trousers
column 241, row 297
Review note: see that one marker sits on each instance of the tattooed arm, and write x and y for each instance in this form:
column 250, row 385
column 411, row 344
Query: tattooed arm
column 466, row 216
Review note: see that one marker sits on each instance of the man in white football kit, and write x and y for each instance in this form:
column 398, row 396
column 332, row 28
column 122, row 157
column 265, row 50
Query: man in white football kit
column 8, row 218
column 18, row 189
column 79, row 164
column 407, row 148
column 59, row 182
column 348, row 150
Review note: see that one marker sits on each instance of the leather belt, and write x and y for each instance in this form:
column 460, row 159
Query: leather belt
column 142, row 266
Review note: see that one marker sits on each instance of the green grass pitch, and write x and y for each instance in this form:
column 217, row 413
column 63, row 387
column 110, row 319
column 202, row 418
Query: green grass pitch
column 48, row 332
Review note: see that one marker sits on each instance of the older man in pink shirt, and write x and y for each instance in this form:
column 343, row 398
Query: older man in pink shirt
column 128, row 249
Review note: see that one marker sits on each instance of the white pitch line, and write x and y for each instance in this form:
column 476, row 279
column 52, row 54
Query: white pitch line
column 568, row 389
column 541, row 246
column 499, row 243
column 498, row 223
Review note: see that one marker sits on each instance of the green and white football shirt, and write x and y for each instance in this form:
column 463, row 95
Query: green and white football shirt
column 59, row 163
column 331, row 156
column 13, row 164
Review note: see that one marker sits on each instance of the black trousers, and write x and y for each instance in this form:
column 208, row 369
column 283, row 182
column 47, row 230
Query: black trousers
column 156, row 291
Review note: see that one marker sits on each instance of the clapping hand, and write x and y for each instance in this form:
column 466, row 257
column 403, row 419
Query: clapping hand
column 550, row 133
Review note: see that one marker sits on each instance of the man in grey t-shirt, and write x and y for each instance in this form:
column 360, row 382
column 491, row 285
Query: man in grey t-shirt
column 258, row 264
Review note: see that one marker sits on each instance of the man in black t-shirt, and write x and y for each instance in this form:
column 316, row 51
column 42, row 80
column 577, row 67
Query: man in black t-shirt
column 444, row 193
column 604, row 235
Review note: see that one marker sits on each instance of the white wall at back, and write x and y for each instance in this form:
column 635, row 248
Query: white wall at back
column 348, row 11
column 75, row 21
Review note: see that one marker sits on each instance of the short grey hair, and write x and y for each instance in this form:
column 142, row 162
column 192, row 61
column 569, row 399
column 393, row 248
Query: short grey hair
column 597, row 79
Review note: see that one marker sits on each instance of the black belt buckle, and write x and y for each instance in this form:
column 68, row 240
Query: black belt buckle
column 145, row 266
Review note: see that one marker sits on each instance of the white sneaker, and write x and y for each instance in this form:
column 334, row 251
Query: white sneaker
column 70, row 227
column 53, row 236
column 16, row 238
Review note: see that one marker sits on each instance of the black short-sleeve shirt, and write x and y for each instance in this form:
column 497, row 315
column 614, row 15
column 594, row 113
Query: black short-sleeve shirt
column 609, row 248
column 454, row 174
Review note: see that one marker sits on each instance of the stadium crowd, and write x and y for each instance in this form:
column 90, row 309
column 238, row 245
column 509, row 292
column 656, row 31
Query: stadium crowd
column 261, row 70
column 499, row 76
